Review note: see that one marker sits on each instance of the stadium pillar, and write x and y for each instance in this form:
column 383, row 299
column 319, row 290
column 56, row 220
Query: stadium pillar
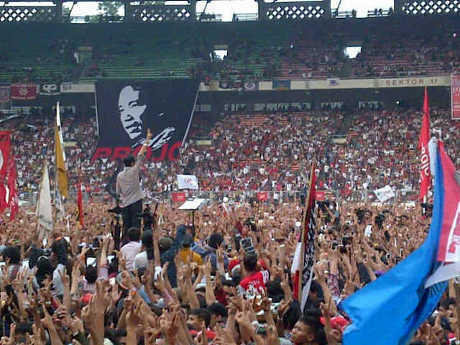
column 193, row 10
column 261, row 10
column 327, row 8
column 58, row 5
column 398, row 6
column 128, row 11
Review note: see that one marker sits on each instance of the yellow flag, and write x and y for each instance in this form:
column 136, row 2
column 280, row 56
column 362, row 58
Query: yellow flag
column 61, row 170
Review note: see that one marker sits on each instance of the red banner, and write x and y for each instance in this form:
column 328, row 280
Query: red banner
column 425, row 174
column 23, row 91
column 262, row 196
column 320, row 195
column 455, row 96
column 178, row 197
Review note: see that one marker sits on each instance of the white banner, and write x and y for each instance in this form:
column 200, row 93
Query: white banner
column 384, row 194
column 335, row 83
column 187, row 182
column 69, row 87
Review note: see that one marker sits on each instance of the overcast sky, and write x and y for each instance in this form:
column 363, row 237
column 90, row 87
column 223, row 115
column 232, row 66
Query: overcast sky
column 227, row 8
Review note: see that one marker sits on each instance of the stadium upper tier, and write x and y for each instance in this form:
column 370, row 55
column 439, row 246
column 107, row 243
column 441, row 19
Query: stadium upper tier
column 393, row 46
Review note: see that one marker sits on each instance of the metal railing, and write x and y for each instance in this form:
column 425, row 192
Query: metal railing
column 269, row 197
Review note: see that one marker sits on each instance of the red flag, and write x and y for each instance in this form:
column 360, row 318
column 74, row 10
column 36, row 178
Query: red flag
column 425, row 174
column 302, row 265
column 80, row 205
column 12, row 201
column 5, row 148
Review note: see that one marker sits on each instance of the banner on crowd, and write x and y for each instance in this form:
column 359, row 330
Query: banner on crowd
column 320, row 195
column 49, row 89
column 127, row 108
column 455, row 96
column 23, row 91
column 384, row 194
column 4, row 93
column 178, row 197
column 187, row 182
column 262, row 196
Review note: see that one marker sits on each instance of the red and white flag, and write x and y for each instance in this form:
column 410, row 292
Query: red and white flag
column 425, row 175
column 5, row 149
column 13, row 199
column 302, row 265
column 80, row 205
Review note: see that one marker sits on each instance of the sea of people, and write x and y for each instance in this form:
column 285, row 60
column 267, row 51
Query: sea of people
column 222, row 276
column 263, row 152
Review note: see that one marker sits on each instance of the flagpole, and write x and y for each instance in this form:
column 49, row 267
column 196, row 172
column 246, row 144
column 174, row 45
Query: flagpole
column 302, row 238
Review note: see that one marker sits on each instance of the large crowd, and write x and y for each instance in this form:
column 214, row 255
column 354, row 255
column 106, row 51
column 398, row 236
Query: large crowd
column 263, row 152
column 303, row 56
column 223, row 278
column 222, row 275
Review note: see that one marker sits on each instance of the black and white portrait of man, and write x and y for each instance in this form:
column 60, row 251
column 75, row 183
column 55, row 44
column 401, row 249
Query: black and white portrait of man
column 131, row 116
column 125, row 109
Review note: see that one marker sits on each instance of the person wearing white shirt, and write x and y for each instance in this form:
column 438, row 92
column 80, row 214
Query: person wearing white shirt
column 132, row 248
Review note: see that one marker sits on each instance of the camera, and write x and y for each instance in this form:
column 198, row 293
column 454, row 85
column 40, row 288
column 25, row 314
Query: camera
column 147, row 217
column 246, row 244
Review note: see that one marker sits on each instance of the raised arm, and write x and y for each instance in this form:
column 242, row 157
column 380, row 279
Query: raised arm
column 146, row 144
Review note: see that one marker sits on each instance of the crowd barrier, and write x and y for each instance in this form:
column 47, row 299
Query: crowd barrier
column 268, row 197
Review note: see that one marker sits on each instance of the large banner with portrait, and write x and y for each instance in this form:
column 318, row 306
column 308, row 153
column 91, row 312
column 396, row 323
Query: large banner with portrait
column 127, row 108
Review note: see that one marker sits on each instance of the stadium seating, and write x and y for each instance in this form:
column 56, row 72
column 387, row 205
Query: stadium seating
column 256, row 51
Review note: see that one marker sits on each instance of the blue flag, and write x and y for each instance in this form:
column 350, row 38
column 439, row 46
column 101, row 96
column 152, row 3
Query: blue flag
column 389, row 310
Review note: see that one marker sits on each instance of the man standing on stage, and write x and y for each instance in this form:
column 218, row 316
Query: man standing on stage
column 129, row 189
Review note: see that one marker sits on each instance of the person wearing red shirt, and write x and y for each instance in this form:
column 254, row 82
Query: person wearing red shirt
column 254, row 281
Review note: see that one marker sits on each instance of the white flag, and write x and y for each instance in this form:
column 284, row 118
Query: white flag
column 187, row 182
column 44, row 212
column 385, row 193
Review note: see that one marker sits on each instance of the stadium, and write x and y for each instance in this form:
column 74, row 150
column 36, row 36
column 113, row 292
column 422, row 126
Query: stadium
column 290, row 176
